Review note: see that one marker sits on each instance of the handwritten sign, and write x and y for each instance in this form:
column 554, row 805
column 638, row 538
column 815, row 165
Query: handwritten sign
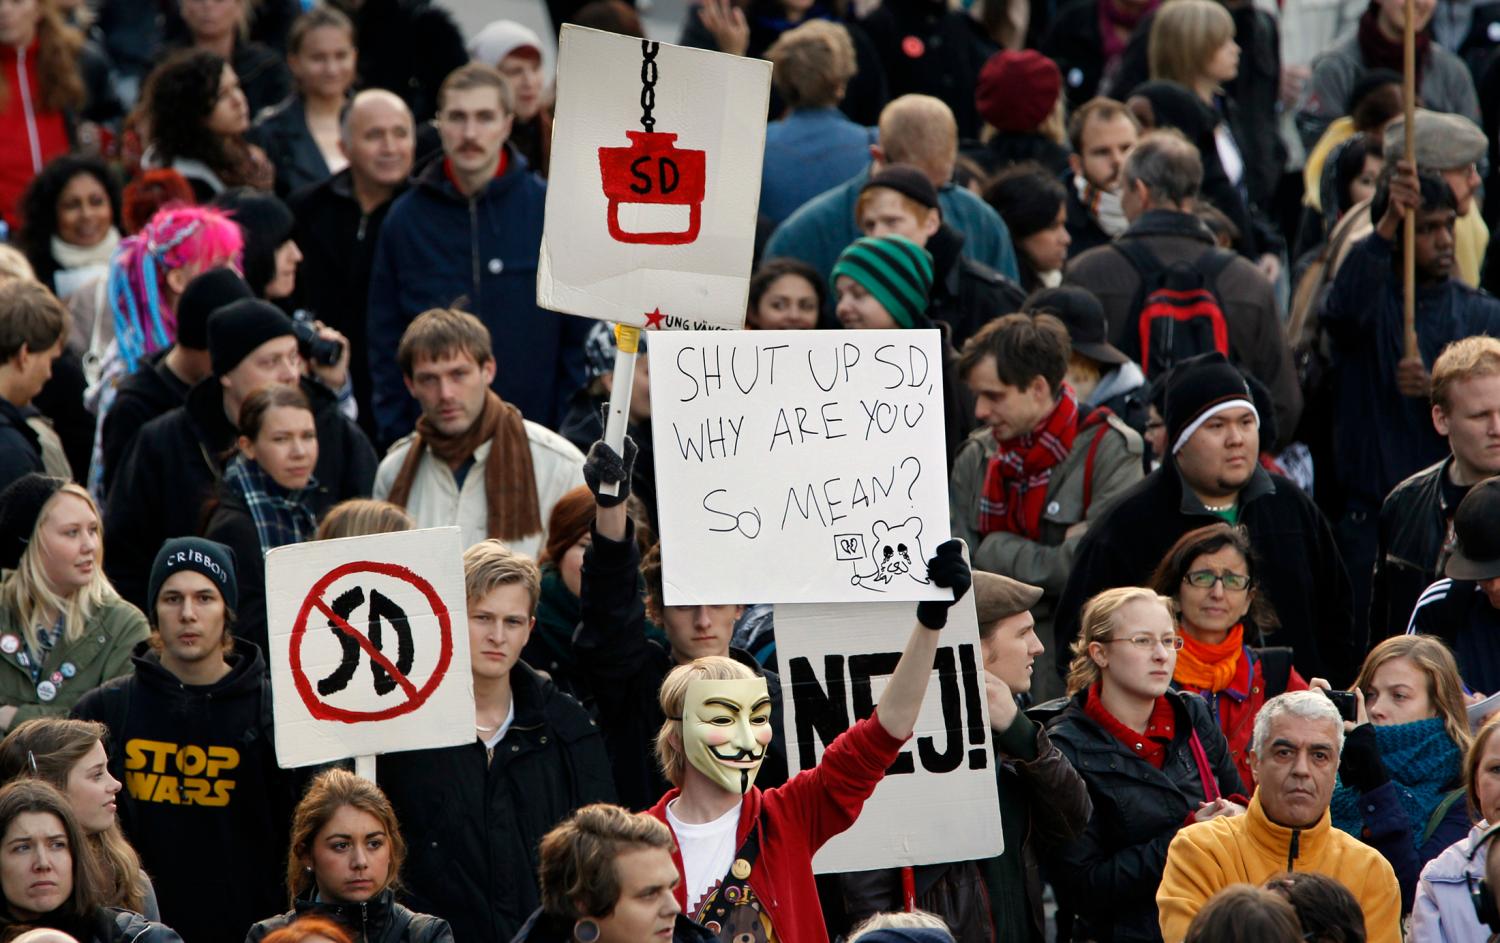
column 938, row 801
column 369, row 646
column 654, row 183
column 804, row 466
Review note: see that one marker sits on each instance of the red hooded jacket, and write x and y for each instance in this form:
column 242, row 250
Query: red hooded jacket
column 33, row 134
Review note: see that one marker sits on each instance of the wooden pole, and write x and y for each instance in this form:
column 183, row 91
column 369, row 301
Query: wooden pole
column 1409, row 228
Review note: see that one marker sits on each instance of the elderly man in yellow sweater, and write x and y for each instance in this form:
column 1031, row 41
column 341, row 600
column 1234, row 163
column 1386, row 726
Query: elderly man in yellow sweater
column 1294, row 754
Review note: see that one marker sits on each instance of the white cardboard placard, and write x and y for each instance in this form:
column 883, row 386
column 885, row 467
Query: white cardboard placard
column 644, row 228
column 939, row 801
column 401, row 680
column 802, row 466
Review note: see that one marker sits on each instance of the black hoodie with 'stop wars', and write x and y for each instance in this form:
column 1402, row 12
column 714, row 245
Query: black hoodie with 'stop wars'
column 199, row 766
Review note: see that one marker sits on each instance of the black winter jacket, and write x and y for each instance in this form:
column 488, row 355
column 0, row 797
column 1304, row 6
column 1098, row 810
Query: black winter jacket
column 378, row 920
column 151, row 390
column 408, row 47
column 200, row 762
column 1415, row 538
column 1302, row 572
column 1109, row 876
column 966, row 295
column 625, row 671
column 281, row 130
column 171, row 471
column 20, row 449
column 1459, row 613
column 475, row 821
column 944, row 61
column 541, row 928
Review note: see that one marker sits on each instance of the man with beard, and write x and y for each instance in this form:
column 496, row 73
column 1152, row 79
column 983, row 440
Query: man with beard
column 1102, row 132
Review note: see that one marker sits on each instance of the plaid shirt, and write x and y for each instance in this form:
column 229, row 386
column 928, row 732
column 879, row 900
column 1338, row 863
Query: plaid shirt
column 280, row 515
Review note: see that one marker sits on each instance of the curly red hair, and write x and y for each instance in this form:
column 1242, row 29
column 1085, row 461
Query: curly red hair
column 306, row 928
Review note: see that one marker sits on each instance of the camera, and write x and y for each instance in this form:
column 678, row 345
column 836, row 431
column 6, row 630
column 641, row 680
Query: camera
column 313, row 347
column 1344, row 701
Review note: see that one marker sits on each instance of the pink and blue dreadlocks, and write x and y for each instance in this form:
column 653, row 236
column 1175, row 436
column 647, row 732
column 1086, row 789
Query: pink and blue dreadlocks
column 197, row 237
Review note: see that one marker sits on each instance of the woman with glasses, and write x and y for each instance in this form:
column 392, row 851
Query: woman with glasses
column 1210, row 574
column 1153, row 760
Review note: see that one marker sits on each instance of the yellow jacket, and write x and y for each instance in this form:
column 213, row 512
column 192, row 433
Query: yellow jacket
column 1209, row 856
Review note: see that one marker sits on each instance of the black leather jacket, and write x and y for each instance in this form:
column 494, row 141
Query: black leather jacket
column 1414, row 544
column 378, row 920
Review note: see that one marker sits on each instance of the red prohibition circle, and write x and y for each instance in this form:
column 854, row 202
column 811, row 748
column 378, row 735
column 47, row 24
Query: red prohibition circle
column 310, row 699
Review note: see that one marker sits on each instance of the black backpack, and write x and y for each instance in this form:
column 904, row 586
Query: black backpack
column 1177, row 313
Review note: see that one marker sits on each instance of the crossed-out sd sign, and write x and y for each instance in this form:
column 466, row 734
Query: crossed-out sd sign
column 369, row 646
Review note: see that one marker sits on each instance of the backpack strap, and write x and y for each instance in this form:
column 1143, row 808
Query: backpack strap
column 1275, row 669
column 1438, row 814
column 1149, row 268
column 1088, row 466
column 1209, row 265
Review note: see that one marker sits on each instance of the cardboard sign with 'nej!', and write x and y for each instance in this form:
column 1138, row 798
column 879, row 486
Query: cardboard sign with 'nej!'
column 369, row 646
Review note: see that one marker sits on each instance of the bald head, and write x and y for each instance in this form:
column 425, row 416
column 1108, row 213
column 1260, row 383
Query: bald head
column 920, row 130
column 379, row 138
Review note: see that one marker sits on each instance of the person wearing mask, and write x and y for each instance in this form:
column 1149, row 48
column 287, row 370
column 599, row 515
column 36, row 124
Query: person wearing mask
column 624, row 863
column 268, row 497
column 813, row 146
column 1019, row 96
column 920, row 131
column 1463, row 609
column 1210, row 574
column 195, row 690
column 301, row 133
column 70, row 215
column 1027, row 485
column 1211, row 474
column 1295, row 758
column 344, row 863
column 478, row 204
column 785, row 295
column 177, row 459
column 516, row 53
column 1400, row 783
column 1101, row 132
column 196, row 116
column 70, row 756
column 48, row 878
column 218, row 26
column 1033, row 204
column 1374, row 377
column 33, row 329
column 164, row 378
column 63, row 629
column 1416, row 518
column 473, row 460
column 1153, row 760
column 338, row 222
column 1099, row 372
column 536, row 757
column 41, row 90
column 1443, row 909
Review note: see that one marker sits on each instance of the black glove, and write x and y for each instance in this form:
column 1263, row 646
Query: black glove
column 604, row 467
column 1360, row 765
column 950, row 570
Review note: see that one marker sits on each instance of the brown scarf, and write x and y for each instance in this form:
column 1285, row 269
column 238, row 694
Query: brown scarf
column 509, row 483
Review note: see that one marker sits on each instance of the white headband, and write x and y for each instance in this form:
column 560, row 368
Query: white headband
column 1208, row 414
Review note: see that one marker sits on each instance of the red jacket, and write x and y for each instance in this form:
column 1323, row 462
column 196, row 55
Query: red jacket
column 1235, row 707
column 32, row 133
column 798, row 818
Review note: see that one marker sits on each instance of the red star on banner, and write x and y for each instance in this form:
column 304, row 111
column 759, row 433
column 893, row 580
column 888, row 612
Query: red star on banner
column 654, row 318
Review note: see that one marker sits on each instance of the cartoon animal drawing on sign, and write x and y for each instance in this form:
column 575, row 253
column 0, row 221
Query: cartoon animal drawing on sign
column 896, row 552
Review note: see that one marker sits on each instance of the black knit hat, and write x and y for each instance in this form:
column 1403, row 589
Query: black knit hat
column 21, row 504
column 238, row 328
column 1199, row 388
column 907, row 181
column 212, row 559
column 203, row 296
column 266, row 223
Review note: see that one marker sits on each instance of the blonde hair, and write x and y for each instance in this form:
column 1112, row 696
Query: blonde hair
column 1097, row 623
column 490, row 564
column 13, row 264
column 360, row 517
column 674, row 694
column 920, row 130
column 26, row 595
column 812, row 63
column 1445, row 688
column 1184, row 36
column 1467, row 359
column 909, row 920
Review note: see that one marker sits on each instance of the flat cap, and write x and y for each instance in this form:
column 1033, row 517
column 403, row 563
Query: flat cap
column 998, row 597
column 1443, row 141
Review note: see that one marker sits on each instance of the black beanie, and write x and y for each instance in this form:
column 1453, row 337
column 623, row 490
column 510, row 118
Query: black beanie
column 1198, row 388
column 907, row 181
column 21, row 504
column 238, row 328
column 266, row 223
column 212, row 559
column 203, row 296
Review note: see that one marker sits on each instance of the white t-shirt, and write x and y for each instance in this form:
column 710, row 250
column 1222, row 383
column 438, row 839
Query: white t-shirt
column 707, row 851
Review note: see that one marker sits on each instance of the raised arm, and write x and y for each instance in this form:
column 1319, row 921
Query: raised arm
column 902, row 700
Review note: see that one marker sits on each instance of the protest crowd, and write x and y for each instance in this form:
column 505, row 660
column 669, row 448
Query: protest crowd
column 1227, row 516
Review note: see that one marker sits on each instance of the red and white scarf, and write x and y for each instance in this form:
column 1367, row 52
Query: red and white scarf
column 1015, row 483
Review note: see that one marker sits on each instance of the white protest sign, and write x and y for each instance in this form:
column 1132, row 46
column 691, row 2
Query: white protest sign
column 369, row 646
column 654, row 184
column 803, row 466
column 938, row 802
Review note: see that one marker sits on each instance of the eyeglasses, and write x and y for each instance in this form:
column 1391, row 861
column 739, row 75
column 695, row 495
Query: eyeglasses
column 1205, row 579
column 1148, row 643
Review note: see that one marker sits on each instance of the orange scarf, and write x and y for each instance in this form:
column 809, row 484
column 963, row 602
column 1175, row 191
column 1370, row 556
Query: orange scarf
column 1205, row 667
